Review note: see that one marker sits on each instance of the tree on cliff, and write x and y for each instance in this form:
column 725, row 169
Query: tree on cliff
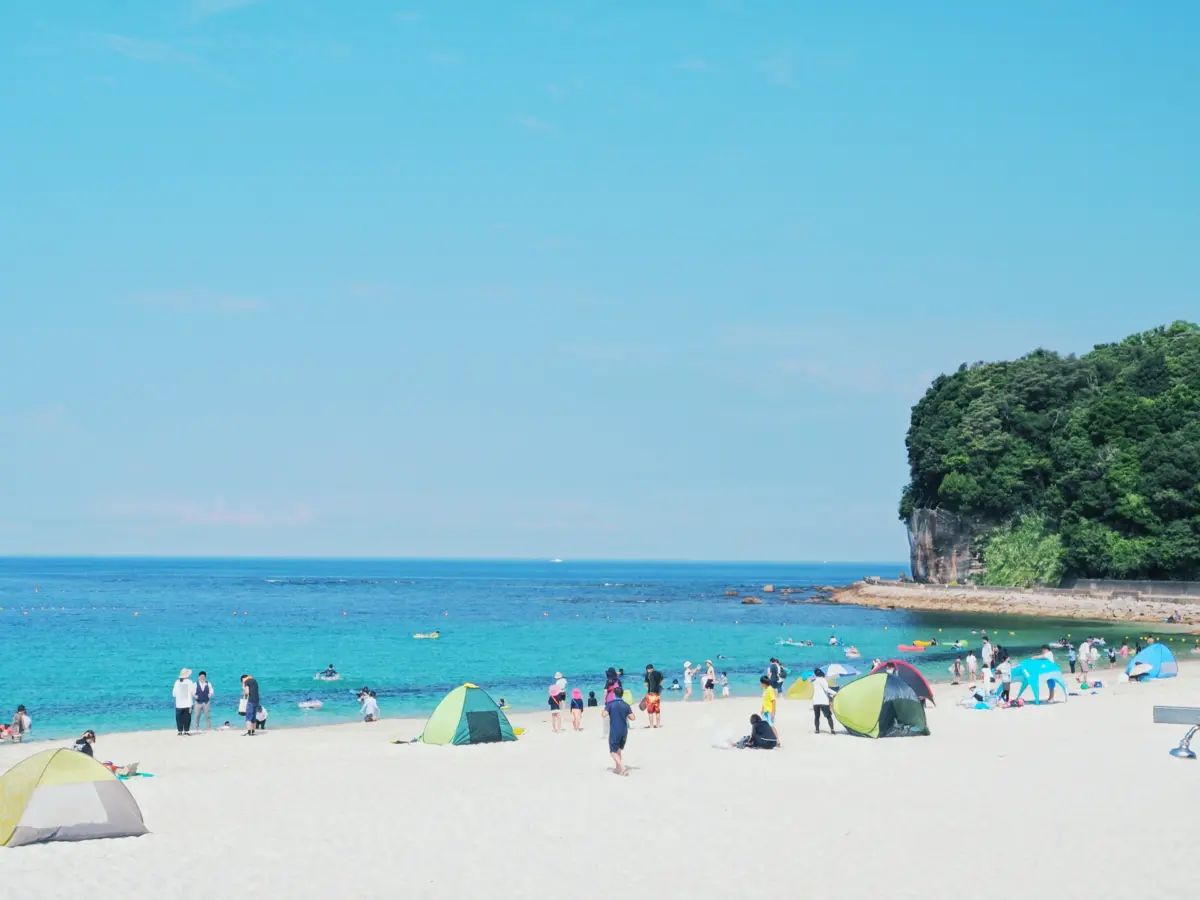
column 1102, row 450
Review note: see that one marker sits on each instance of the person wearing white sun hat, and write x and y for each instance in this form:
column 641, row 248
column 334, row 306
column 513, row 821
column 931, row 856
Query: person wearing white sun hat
column 185, row 696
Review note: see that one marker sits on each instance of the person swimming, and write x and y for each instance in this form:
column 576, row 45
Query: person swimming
column 330, row 672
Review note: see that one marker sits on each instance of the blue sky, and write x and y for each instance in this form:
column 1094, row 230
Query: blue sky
column 553, row 278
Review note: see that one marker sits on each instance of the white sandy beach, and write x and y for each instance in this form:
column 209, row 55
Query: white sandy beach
column 1073, row 800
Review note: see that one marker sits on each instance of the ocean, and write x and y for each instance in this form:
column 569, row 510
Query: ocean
column 98, row 643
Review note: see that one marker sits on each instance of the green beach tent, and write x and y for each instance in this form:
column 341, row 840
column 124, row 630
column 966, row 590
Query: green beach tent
column 63, row 795
column 467, row 715
column 880, row 705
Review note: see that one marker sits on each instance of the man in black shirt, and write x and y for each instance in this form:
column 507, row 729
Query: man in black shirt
column 250, row 687
column 654, row 682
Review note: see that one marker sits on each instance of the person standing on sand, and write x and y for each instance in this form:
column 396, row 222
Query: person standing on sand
column 185, row 695
column 972, row 666
column 562, row 684
column 768, row 706
column 724, row 684
column 986, row 653
column 1072, row 658
column 821, row 699
column 204, row 695
column 708, row 681
column 619, row 715
column 1085, row 658
column 654, row 683
column 688, row 674
column 1004, row 670
column 956, row 670
column 250, row 693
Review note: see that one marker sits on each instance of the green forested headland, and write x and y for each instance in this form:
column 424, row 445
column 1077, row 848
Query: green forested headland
column 1069, row 466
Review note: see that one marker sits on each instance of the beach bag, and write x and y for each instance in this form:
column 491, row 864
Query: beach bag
column 242, row 707
column 642, row 705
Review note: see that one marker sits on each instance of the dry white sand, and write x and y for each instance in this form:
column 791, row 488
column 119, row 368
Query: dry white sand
column 1073, row 800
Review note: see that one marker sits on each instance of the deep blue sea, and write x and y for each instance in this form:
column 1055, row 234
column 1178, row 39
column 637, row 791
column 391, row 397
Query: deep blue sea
column 97, row 643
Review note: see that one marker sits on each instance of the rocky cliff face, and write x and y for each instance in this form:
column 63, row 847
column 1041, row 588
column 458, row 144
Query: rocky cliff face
column 939, row 545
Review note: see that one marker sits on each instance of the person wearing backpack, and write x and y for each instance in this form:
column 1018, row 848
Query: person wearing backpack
column 204, row 696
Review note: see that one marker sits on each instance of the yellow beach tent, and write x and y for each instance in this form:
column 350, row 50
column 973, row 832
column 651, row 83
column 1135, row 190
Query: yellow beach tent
column 64, row 795
column 467, row 715
column 800, row 690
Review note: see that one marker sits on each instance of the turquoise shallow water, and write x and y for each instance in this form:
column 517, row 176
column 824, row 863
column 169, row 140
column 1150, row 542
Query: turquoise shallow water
column 97, row 643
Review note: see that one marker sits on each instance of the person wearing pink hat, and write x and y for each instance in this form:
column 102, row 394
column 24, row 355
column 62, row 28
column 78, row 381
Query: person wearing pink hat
column 556, row 704
column 577, row 709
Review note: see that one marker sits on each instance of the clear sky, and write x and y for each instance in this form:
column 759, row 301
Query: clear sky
column 553, row 278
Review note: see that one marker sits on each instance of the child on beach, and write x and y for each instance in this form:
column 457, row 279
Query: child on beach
column 724, row 685
column 768, row 706
column 956, row 671
column 592, row 699
column 972, row 666
column 556, row 702
column 577, row 709
column 619, row 714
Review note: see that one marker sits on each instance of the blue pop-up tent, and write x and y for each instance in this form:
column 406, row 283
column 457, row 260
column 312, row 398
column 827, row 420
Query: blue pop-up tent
column 1160, row 660
column 1038, row 675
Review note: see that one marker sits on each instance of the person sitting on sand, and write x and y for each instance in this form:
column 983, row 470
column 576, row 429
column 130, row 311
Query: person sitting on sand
column 84, row 743
column 761, row 736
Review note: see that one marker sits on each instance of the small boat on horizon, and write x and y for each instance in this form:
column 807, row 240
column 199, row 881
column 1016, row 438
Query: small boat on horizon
column 556, row 560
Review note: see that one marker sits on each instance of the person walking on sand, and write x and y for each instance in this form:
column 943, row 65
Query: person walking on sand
column 619, row 714
column 251, row 696
column 821, row 699
column 654, row 683
column 577, row 709
column 556, row 704
column 204, row 696
column 972, row 666
column 185, row 695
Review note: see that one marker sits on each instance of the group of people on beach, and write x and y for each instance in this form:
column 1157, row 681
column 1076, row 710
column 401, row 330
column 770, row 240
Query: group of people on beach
column 193, row 704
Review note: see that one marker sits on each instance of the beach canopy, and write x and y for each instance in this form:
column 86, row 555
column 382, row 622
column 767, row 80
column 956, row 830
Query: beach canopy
column 800, row 689
column 909, row 674
column 880, row 705
column 1160, row 660
column 467, row 715
column 64, row 795
column 1038, row 675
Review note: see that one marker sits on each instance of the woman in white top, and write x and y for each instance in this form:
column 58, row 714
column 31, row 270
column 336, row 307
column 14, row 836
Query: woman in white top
column 821, row 699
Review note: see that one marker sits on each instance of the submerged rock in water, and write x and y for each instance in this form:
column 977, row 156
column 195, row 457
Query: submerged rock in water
column 747, row 601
